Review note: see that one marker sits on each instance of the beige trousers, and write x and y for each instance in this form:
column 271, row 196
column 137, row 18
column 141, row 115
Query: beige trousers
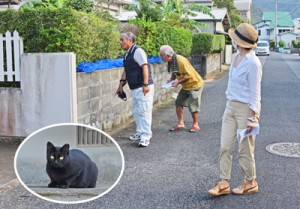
column 235, row 117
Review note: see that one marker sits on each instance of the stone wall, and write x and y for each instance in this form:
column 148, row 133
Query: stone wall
column 206, row 64
column 100, row 107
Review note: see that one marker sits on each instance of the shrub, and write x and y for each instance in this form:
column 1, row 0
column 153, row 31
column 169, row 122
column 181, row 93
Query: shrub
column 281, row 43
column 205, row 43
column 152, row 35
column 63, row 30
column 296, row 44
column 272, row 43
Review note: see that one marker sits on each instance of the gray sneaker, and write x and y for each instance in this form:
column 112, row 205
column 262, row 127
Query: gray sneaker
column 135, row 137
column 144, row 143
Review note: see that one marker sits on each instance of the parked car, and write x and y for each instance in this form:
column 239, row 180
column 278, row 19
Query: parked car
column 263, row 48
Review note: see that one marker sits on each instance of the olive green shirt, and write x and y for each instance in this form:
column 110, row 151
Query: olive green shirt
column 186, row 70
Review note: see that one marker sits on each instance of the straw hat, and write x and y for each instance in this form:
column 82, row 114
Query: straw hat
column 244, row 35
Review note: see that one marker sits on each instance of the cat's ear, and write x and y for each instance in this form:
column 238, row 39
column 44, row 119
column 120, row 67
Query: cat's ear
column 50, row 146
column 65, row 149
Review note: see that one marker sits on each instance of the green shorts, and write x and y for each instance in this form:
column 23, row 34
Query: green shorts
column 190, row 98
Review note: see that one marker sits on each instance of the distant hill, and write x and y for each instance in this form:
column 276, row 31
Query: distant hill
column 260, row 6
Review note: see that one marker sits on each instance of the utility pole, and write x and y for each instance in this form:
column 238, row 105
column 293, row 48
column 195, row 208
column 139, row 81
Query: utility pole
column 275, row 32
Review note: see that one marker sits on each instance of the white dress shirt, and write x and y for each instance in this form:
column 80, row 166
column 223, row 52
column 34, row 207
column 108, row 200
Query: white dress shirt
column 244, row 83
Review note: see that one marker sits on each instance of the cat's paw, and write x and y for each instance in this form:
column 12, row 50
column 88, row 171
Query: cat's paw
column 63, row 186
column 52, row 185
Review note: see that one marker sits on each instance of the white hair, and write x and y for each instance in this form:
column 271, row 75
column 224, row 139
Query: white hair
column 167, row 50
column 129, row 36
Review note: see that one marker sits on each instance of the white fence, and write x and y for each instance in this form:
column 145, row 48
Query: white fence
column 10, row 53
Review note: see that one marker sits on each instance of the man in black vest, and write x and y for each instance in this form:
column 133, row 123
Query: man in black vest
column 137, row 74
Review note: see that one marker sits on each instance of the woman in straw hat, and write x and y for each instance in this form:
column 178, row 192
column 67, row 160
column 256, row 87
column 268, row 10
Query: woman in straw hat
column 242, row 112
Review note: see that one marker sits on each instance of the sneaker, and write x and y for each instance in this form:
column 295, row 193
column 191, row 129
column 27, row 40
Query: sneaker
column 135, row 137
column 246, row 188
column 144, row 143
column 220, row 188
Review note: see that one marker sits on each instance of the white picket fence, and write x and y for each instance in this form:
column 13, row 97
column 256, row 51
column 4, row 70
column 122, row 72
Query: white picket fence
column 10, row 56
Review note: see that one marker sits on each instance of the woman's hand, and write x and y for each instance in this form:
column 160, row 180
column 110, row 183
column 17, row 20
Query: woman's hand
column 251, row 122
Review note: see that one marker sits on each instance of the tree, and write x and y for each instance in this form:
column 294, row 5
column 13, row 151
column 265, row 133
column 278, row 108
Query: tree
column 171, row 11
column 232, row 11
column 81, row 5
column 148, row 10
column 175, row 12
column 36, row 4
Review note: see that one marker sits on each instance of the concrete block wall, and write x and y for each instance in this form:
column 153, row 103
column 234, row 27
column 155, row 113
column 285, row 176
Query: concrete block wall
column 100, row 107
column 228, row 54
column 213, row 63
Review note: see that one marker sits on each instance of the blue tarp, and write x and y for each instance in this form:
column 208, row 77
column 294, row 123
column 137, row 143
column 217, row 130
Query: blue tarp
column 89, row 67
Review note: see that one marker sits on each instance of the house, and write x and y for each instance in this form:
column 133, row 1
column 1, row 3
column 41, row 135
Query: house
column 288, row 37
column 265, row 30
column 208, row 3
column 269, row 29
column 217, row 24
column 245, row 9
column 297, row 25
column 113, row 7
column 9, row 3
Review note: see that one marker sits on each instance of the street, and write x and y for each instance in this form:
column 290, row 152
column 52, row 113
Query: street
column 177, row 169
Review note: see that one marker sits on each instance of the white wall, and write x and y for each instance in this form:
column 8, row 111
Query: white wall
column 47, row 94
column 228, row 54
column 48, row 89
column 287, row 38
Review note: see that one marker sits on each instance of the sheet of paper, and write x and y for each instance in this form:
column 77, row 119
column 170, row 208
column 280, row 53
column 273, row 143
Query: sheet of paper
column 167, row 85
column 241, row 133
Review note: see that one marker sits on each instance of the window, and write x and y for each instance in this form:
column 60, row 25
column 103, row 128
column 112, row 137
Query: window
column 259, row 33
column 268, row 32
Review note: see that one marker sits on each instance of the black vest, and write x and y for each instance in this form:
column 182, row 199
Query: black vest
column 134, row 73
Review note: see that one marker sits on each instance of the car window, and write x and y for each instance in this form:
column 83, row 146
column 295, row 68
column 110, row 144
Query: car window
column 262, row 44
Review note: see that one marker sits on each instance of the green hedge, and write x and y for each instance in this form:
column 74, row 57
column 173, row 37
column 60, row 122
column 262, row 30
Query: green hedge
column 63, row 30
column 152, row 35
column 205, row 43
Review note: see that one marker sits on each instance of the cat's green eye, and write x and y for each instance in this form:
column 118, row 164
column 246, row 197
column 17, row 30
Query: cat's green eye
column 52, row 157
column 61, row 158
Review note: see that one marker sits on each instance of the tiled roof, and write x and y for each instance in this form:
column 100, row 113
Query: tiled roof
column 284, row 19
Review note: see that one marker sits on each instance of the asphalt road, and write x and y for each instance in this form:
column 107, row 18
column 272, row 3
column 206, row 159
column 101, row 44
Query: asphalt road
column 177, row 169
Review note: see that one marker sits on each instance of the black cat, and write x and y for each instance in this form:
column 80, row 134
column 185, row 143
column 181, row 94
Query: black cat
column 70, row 168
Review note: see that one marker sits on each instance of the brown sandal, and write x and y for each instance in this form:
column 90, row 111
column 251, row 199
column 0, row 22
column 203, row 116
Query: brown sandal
column 177, row 128
column 194, row 129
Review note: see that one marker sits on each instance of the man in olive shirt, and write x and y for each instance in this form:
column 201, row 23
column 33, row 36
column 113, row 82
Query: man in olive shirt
column 192, row 86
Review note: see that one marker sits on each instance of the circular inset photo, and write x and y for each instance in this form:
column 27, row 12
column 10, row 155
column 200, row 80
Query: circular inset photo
column 69, row 163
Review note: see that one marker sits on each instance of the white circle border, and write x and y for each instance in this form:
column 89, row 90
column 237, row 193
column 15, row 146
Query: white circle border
column 69, row 124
